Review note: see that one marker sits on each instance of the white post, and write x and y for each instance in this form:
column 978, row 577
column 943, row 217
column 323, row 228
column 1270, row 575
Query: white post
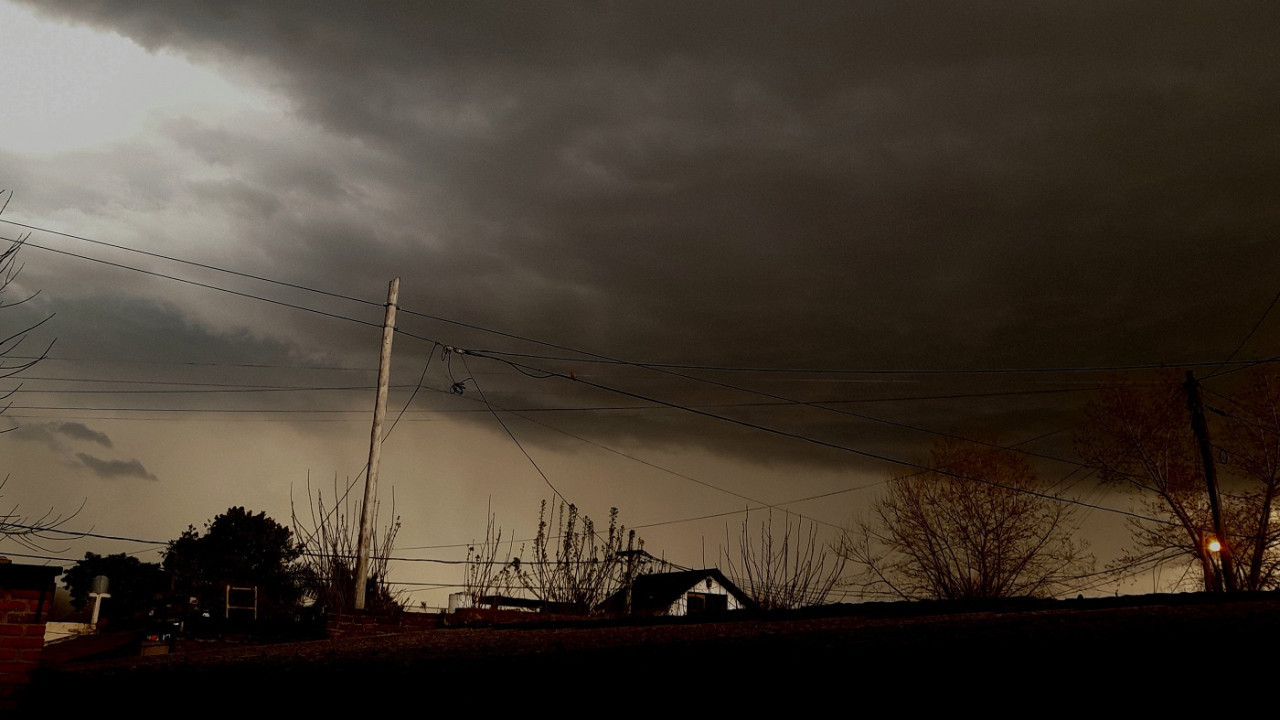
column 97, row 606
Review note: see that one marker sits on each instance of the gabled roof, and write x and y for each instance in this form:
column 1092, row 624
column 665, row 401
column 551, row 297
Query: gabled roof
column 656, row 591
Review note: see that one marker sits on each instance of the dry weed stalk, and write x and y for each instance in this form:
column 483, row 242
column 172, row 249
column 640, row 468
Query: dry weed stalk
column 486, row 577
column 790, row 572
column 329, row 552
column 583, row 569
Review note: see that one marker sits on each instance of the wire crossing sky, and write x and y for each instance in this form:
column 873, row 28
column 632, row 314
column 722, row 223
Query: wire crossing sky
column 860, row 226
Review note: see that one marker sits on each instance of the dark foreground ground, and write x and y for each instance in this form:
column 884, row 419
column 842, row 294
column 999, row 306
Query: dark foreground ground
column 1013, row 659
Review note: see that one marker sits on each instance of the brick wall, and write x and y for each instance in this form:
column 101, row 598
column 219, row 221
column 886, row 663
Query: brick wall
column 26, row 597
column 348, row 625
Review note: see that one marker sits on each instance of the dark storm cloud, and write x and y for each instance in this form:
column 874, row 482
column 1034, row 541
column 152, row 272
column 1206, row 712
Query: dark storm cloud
column 908, row 185
column 122, row 327
column 52, row 434
column 119, row 340
column 55, row 434
column 83, row 432
column 880, row 179
column 112, row 469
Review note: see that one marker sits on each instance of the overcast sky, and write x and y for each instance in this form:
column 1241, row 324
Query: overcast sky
column 856, row 186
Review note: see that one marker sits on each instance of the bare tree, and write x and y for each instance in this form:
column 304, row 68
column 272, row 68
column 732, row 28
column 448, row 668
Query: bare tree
column 1252, row 443
column 787, row 570
column 1140, row 437
column 970, row 527
column 25, row 529
column 329, row 552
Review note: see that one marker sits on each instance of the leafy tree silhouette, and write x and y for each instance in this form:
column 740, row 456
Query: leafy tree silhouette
column 134, row 585
column 238, row 549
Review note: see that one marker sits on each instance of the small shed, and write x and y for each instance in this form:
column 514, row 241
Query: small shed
column 679, row 594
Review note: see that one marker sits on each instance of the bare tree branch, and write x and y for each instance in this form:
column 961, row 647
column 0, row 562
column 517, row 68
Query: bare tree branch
column 28, row 531
column 574, row 568
column 486, row 576
column 1140, row 438
column 329, row 552
column 789, row 571
column 966, row 531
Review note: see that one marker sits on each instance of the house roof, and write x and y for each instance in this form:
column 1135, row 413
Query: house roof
column 656, row 591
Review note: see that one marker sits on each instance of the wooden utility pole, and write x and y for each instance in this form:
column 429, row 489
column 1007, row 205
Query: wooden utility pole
column 1201, row 428
column 375, row 445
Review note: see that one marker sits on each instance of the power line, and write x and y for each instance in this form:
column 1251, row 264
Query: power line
column 207, row 286
column 871, row 418
column 189, row 363
column 37, row 557
column 1231, row 416
column 600, row 359
column 203, row 391
column 646, row 463
column 213, row 411
column 820, row 443
column 243, row 388
column 584, row 355
column 1248, row 336
column 183, row 383
column 153, row 273
column 193, row 263
column 280, row 419
column 85, row 533
column 833, row 493
column 338, row 502
column 229, row 291
column 529, row 369
column 510, row 434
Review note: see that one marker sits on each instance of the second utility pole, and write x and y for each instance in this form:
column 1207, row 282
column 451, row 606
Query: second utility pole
column 375, row 445
column 1201, row 428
